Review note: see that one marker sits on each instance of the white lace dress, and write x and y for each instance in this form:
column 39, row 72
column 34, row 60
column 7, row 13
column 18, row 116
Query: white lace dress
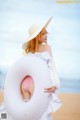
column 55, row 102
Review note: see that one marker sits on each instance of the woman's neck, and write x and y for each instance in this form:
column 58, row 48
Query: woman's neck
column 43, row 43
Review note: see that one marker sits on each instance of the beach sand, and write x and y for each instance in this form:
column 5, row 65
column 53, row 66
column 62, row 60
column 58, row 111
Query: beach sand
column 70, row 109
column 1, row 97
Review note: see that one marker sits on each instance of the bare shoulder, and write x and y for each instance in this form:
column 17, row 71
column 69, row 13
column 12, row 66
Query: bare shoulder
column 48, row 49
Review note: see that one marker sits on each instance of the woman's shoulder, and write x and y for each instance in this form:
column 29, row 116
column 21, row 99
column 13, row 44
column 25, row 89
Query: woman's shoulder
column 45, row 48
column 48, row 49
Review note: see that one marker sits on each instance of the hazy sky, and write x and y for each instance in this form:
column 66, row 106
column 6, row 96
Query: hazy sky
column 64, row 31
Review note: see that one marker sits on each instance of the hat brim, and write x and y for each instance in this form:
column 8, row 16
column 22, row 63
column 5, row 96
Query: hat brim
column 35, row 34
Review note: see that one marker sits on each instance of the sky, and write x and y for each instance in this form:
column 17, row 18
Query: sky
column 16, row 16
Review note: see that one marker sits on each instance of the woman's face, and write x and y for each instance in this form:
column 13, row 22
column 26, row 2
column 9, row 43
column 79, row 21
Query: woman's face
column 43, row 37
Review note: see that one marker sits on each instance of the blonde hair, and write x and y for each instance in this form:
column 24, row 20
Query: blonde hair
column 32, row 45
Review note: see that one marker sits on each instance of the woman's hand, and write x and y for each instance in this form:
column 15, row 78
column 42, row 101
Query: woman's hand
column 50, row 90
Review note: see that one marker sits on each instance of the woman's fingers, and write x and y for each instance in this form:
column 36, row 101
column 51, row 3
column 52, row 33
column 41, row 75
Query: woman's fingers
column 51, row 89
column 48, row 90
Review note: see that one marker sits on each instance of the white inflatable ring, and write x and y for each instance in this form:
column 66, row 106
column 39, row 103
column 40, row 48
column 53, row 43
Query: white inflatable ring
column 16, row 107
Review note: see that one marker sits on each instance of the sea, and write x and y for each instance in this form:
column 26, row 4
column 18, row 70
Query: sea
column 69, row 85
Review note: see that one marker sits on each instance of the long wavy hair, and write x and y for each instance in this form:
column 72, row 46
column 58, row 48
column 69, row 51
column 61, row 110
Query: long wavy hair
column 32, row 45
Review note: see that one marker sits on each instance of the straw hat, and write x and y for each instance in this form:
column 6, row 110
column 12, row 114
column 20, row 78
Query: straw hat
column 34, row 30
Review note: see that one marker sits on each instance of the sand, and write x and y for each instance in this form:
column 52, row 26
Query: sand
column 1, row 97
column 70, row 109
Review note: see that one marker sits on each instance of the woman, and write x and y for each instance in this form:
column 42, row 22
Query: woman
column 37, row 44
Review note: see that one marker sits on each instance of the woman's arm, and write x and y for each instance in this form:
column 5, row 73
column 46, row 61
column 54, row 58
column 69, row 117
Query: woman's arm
column 54, row 77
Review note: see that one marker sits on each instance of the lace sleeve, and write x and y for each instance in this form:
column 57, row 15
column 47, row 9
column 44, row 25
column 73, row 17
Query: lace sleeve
column 54, row 76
